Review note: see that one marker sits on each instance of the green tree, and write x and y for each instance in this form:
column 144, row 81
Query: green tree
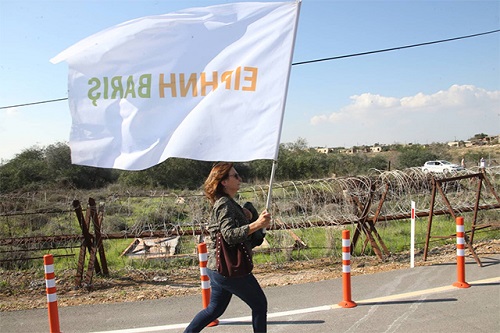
column 259, row 171
column 344, row 164
column 479, row 136
column 64, row 173
column 174, row 173
column 377, row 162
column 36, row 168
column 415, row 156
column 26, row 170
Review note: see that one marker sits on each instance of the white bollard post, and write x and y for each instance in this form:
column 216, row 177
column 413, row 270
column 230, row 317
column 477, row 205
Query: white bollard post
column 412, row 236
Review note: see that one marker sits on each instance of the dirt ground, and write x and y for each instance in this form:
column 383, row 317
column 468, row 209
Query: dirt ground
column 22, row 290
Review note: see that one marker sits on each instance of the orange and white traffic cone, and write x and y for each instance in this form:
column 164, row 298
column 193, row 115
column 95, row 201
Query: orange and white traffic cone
column 346, row 270
column 460, row 254
column 205, row 280
column 50, row 283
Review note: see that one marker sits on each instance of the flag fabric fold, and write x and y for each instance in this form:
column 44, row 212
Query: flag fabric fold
column 202, row 83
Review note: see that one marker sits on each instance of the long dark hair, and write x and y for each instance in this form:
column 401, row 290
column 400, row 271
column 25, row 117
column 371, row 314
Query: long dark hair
column 213, row 187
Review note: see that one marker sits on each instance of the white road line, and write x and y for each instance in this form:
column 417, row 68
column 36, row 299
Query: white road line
column 309, row 310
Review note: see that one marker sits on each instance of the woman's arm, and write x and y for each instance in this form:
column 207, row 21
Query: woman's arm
column 263, row 221
column 233, row 223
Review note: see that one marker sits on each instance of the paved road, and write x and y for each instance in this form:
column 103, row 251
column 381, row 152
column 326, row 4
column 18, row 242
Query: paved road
column 420, row 299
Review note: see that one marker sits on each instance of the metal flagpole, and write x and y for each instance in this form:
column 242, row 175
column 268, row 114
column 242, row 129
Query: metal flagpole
column 275, row 161
column 269, row 194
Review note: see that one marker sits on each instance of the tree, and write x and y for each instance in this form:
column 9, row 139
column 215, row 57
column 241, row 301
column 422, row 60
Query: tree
column 259, row 171
column 37, row 167
column 415, row 155
column 299, row 144
column 377, row 162
column 67, row 175
column 26, row 170
column 174, row 173
column 479, row 136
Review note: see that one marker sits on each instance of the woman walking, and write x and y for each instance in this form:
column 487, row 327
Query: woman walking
column 234, row 224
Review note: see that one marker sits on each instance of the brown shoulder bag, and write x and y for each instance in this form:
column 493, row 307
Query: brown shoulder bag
column 232, row 260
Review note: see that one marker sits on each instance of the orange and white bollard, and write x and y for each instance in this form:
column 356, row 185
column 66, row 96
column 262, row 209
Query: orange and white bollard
column 205, row 280
column 460, row 254
column 346, row 270
column 50, row 283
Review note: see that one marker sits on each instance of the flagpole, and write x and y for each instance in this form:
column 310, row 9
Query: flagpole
column 269, row 193
column 275, row 160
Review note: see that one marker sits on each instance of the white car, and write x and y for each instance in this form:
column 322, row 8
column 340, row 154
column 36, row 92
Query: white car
column 441, row 166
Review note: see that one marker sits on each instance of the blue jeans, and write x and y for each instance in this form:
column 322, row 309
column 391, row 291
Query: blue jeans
column 247, row 288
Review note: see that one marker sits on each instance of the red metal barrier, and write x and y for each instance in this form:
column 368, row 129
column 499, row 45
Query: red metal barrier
column 346, row 270
column 460, row 254
column 50, row 283
column 205, row 280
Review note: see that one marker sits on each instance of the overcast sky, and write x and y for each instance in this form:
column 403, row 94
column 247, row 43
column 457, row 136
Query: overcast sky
column 434, row 93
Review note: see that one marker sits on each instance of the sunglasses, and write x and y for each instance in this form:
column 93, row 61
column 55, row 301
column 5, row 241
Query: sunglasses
column 236, row 175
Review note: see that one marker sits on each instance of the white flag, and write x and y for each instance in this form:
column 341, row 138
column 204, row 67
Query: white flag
column 202, row 83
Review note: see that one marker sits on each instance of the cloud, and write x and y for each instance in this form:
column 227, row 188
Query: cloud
column 458, row 112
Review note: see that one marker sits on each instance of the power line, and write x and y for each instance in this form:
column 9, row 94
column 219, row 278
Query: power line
column 34, row 103
column 317, row 60
column 397, row 48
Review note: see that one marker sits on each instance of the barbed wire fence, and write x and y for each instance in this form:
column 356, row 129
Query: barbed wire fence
column 44, row 220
